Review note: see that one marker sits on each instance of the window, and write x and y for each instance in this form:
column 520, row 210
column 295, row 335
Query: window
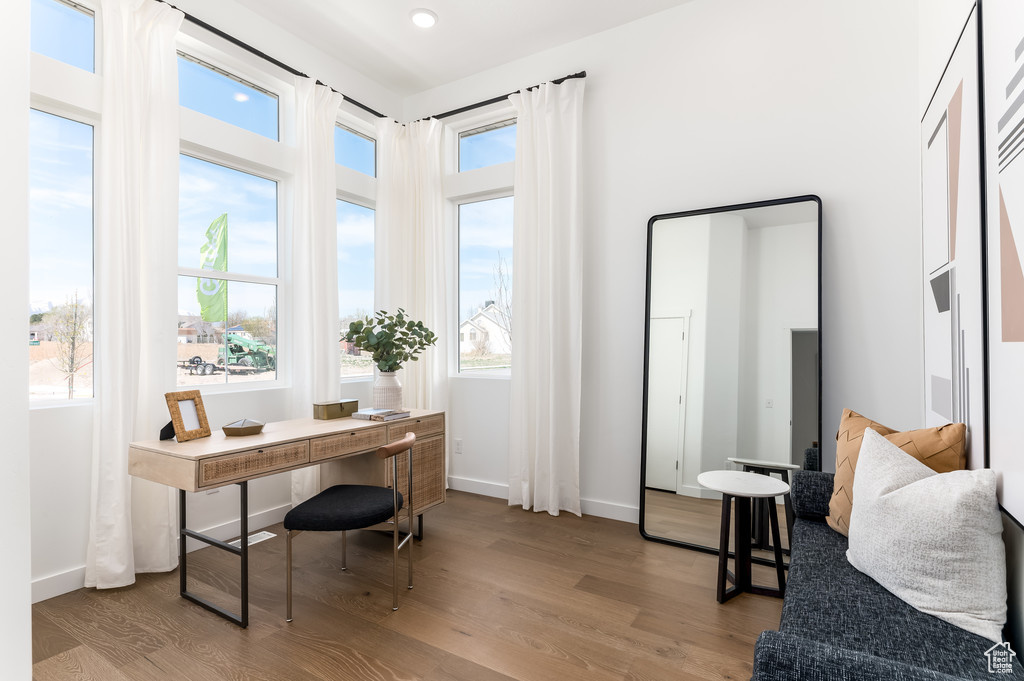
column 212, row 91
column 485, row 285
column 487, row 145
column 227, row 284
column 355, row 280
column 60, row 257
column 355, row 150
column 64, row 31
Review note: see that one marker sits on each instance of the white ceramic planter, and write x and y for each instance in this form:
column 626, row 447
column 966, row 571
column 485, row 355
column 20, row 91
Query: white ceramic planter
column 387, row 391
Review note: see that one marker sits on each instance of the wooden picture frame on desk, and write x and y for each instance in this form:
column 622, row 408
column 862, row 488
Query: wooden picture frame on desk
column 188, row 415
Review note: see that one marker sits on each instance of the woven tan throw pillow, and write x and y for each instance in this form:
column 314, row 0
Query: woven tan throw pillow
column 942, row 449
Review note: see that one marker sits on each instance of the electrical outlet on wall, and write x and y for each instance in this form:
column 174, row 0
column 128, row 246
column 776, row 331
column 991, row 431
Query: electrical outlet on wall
column 769, row 403
column 458, row 445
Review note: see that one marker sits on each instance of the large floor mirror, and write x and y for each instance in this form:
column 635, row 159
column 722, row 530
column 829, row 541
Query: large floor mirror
column 732, row 360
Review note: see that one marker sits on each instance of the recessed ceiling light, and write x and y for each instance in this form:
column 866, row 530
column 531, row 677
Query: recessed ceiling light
column 423, row 18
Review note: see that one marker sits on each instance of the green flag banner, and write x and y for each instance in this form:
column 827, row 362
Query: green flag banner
column 213, row 255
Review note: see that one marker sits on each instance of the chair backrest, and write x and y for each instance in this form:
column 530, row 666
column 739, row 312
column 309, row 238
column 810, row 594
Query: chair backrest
column 397, row 447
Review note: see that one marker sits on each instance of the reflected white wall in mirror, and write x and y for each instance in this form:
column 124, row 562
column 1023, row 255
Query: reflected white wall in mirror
column 732, row 357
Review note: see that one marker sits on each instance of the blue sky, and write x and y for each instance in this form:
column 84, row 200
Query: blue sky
column 485, row 232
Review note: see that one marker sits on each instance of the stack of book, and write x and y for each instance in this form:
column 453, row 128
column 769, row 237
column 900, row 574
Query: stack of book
column 381, row 414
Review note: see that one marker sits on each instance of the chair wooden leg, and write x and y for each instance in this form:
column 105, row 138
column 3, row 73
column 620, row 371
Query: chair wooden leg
column 288, row 562
column 344, row 550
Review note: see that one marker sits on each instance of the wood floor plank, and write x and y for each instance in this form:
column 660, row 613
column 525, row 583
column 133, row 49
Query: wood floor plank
column 81, row 663
column 48, row 639
column 501, row 594
column 100, row 625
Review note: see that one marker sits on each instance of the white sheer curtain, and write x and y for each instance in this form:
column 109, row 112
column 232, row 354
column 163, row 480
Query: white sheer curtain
column 547, row 303
column 315, row 369
column 410, row 227
column 132, row 523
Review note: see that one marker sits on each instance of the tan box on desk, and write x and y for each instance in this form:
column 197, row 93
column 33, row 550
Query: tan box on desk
column 334, row 410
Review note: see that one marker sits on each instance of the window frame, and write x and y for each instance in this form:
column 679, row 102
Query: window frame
column 216, row 141
column 471, row 186
column 60, row 89
column 360, row 189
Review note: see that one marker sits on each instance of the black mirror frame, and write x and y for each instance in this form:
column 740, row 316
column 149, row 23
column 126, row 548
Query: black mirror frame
column 647, row 346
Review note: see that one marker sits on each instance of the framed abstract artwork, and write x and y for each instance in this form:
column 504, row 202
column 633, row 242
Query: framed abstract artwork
column 1003, row 60
column 952, row 252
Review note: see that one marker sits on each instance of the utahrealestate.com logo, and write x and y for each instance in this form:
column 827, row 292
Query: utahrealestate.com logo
column 1000, row 658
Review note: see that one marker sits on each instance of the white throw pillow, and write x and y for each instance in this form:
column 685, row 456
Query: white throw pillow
column 932, row 539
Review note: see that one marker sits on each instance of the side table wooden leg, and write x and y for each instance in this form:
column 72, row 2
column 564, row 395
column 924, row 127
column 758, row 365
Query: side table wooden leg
column 723, row 548
column 742, row 548
column 777, row 541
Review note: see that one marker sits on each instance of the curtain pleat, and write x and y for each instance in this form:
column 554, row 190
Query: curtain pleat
column 132, row 524
column 410, row 227
column 315, row 367
column 547, row 303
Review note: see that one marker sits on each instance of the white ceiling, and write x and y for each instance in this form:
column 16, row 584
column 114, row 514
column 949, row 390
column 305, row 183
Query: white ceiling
column 376, row 37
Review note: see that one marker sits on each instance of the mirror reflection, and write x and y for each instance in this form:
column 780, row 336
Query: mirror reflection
column 732, row 366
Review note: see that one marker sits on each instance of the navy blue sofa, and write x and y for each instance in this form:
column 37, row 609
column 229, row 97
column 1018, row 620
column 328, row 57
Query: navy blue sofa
column 838, row 623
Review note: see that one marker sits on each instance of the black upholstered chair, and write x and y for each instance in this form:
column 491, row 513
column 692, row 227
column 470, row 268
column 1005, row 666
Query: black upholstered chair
column 355, row 507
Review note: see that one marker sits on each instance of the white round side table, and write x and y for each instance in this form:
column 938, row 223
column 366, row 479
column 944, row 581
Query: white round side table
column 742, row 487
column 760, row 511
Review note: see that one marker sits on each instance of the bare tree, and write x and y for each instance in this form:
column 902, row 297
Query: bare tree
column 503, row 296
column 481, row 345
column 70, row 324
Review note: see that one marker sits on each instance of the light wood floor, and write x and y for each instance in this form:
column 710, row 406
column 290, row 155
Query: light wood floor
column 500, row 593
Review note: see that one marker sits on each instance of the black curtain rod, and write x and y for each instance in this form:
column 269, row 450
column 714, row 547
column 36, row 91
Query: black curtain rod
column 266, row 57
column 495, row 100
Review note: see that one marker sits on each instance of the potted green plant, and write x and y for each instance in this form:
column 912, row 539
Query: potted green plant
column 392, row 340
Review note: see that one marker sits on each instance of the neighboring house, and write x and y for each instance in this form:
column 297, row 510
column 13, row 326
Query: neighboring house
column 485, row 331
column 192, row 329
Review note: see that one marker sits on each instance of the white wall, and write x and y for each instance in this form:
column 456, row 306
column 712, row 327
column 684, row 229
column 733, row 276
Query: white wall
column 679, row 286
column 726, row 278
column 15, row 568
column 782, row 295
column 941, row 22
column 713, row 103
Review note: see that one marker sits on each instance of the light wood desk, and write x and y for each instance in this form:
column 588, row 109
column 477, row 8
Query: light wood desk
column 216, row 461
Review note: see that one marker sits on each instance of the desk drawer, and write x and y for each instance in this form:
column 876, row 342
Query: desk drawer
column 347, row 443
column 253, row 463
column 427, row 425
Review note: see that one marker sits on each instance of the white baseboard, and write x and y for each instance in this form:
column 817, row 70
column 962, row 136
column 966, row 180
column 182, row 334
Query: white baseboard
column 54, row 585
column 601, row 509
column 70, row 580
column 481, row 487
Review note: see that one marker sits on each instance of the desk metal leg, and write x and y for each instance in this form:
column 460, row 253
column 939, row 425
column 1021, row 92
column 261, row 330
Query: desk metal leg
column 242, row 551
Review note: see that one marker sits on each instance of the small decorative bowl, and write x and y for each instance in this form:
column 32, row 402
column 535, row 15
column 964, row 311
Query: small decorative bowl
column 243, row 427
